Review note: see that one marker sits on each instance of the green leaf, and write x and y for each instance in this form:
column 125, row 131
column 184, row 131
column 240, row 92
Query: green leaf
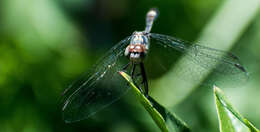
column 230, row 120
column 165, row 120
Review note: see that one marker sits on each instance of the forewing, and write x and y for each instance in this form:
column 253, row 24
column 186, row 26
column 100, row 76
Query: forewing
column 98, row 88
column 221, row 63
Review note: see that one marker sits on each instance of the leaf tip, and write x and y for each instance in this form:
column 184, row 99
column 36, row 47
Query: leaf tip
column 217, row 90
column 121, row 72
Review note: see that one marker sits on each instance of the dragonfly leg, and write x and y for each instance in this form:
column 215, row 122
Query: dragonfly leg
column 133, row 77
column 145, row 82
column 133, row 71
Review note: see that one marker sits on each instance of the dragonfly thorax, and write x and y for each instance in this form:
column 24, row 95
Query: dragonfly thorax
column 138, row 47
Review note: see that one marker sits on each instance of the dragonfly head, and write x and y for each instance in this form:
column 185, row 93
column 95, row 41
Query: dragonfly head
column 138, row 47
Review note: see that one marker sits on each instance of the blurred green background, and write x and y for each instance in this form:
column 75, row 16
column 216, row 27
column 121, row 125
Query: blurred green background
column 46, row 44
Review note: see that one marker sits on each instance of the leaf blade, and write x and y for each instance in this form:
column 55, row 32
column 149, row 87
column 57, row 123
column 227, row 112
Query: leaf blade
column 164, row 119
column 230, row 120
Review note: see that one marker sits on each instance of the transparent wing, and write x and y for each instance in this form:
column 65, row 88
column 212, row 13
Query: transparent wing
column 98, row 88
column 222, row 63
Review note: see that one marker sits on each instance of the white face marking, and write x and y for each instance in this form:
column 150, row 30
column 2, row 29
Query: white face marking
column 132, row 55
column 138, row 47
column 131, row 47
column 137, row 55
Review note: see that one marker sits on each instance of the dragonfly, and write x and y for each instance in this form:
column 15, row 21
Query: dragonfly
column 102, row 85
